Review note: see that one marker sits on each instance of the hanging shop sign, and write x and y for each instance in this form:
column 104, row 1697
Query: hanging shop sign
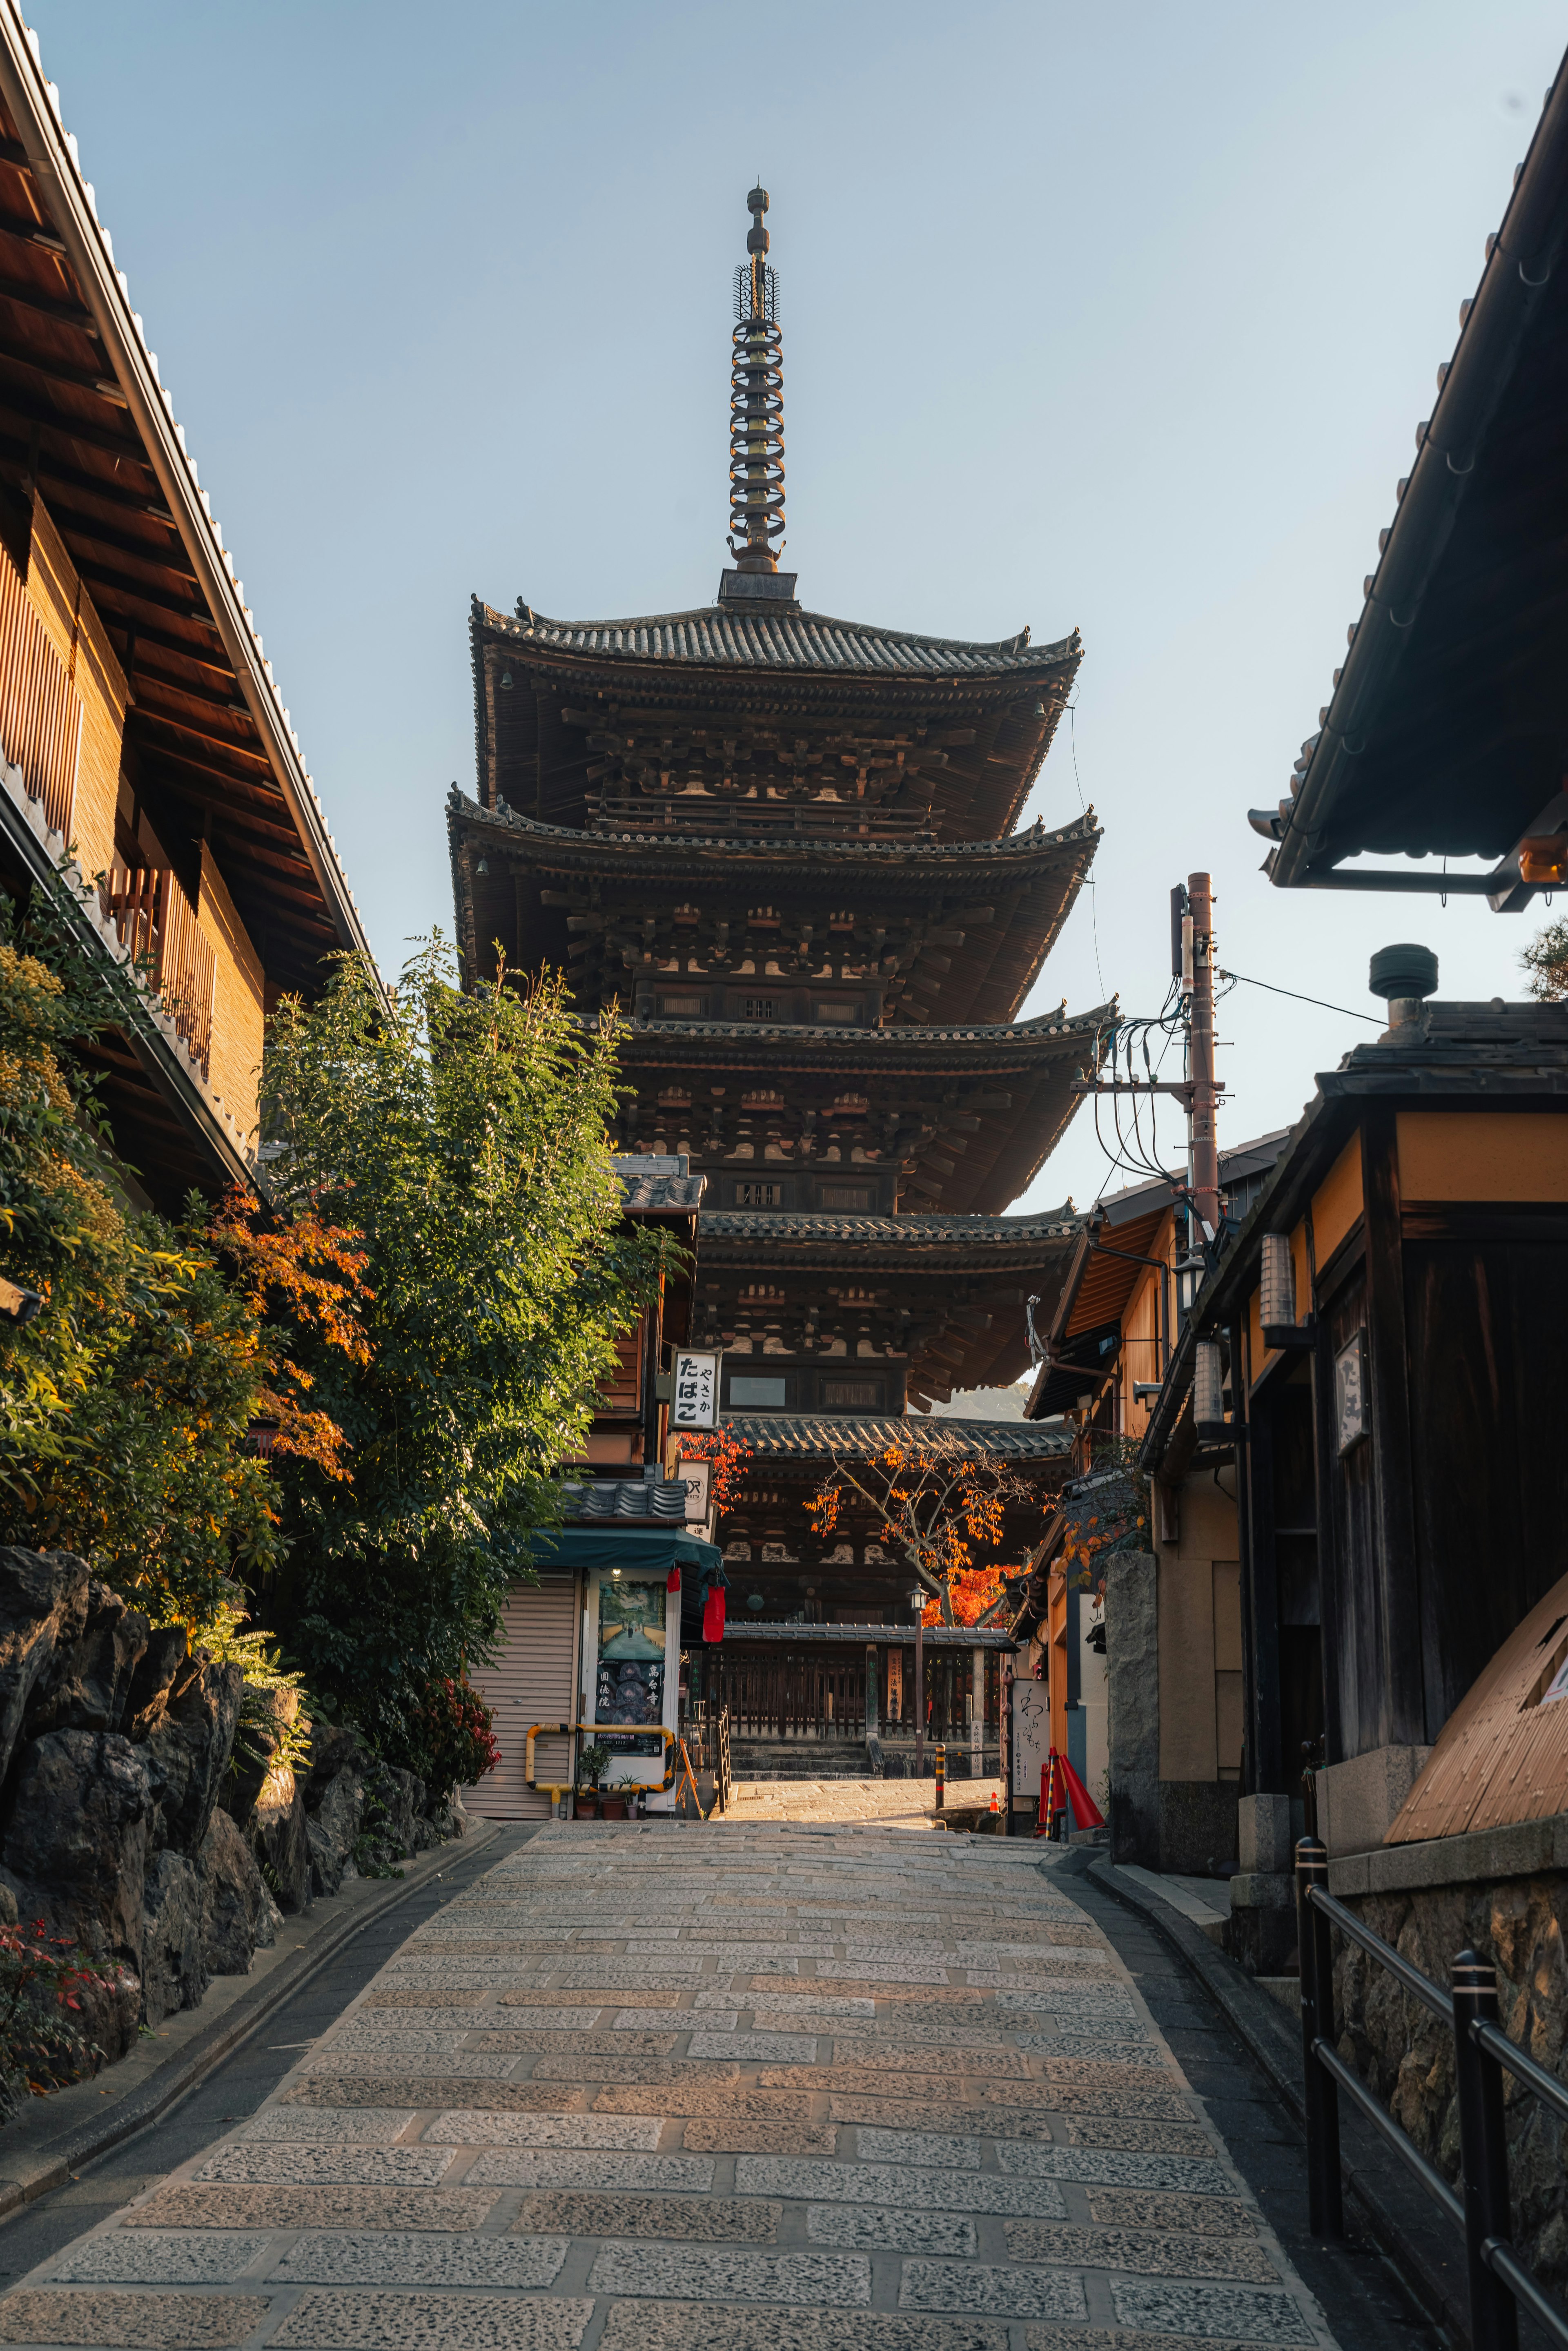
column 696, row 1478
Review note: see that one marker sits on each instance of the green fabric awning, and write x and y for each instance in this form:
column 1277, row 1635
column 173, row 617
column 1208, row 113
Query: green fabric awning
column 611, row 1546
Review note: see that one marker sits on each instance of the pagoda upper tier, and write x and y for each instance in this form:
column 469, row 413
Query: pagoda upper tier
column 833, row 932
column 802, row 1117
column 751, row 717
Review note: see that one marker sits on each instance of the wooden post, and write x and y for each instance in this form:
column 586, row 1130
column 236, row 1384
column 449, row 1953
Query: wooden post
column 978, row 1715
column 920, row 1684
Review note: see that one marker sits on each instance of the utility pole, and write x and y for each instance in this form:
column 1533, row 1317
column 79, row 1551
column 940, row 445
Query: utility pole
column 1198, row 978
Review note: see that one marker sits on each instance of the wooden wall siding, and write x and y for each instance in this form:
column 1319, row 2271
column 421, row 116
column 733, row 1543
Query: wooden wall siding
column 1502, row 1755
column 1356, row 1704
column 532, row 1680
column 239, row 999
column 623, row 1391
column 1395, row 1575
column 1491, row 1156
column 1336, row 1205
column 72, row 624
column 1491, row 1470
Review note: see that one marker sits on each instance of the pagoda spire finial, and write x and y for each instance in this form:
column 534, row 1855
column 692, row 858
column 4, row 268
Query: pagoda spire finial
column 756, row 406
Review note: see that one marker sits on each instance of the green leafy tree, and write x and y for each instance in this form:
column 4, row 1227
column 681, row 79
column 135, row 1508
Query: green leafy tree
column 125, row 1403
column 462, row 1136
column 1545, row 961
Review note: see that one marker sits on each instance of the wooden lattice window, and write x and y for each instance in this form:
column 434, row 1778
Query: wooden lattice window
column 623, row 1391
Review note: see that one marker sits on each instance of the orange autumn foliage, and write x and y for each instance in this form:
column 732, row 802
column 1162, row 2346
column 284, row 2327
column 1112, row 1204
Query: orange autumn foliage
column 312, row 1272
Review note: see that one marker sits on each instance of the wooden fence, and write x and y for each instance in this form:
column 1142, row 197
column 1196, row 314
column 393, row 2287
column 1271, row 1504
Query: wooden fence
column 818, row 1692
column 158, row 922
column 40, row 710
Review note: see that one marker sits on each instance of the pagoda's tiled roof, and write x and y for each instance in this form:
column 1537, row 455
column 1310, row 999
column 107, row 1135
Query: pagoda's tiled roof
column 672, row 849
column 791, row 640
column 817, row 1436
column 1004, row 1036
column 913, row 1231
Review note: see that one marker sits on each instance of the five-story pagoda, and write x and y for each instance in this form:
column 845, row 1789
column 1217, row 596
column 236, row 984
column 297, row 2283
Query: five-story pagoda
column 786, row 846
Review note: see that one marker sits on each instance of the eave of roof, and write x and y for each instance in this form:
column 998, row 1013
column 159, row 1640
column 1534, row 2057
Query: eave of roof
column 934, row 1636
column 710, row 636
column 1048, row 1035
column 817, row 1436
column 913, row 1232
column 1493, row 330
column 602, row 850
column 33, row 102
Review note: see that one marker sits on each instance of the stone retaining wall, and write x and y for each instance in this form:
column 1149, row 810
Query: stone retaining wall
column 126, row 1821
column 1504, row 1893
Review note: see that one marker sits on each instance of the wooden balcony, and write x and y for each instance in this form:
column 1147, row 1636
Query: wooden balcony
column 157, row 924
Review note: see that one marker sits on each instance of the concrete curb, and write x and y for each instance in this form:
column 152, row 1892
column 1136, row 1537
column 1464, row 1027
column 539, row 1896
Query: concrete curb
column 1400, row 2220
column 38, row 2153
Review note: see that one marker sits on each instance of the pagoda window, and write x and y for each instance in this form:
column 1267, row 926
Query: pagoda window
column 851, row 1395
column 851, row 1196
column 759, row 1007
column 759, row 1195
column 680, row 1007
column 774, row 1393
column 840, row 1016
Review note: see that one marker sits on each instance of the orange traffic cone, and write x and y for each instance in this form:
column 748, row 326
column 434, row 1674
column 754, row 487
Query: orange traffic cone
column 994, row 1806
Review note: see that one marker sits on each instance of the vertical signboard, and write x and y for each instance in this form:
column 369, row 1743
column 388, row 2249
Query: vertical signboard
column 694, row 1401
column 1031, row 1736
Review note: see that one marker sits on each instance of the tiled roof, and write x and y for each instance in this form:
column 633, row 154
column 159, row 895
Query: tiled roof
column 641, row 1499
column 917, row 1231
column 1002, row 1034
column 663, row 1194
column 938, row 1636
column 816, row 1436
column 790, row 640
column 675, row 848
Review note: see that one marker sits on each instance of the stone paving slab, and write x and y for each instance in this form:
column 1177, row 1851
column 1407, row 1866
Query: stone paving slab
column 133, row 2322
column 731, row 2135
column 1210, row 2310
column 411, row 2322
column 710, row 2219
column 1188, row 2256
column 681, row 2325
column 869, row 2229
column 160, row 2257
column 721, row 2098
column 591, row 2169
column 1135, row 2208
column 340, row 2257
column 343, row 2091
column 307, row 2207
column 1009, row 2292
column 302, row 2166
column 821, row 2280
column 476, row 2127
column 358, row 2127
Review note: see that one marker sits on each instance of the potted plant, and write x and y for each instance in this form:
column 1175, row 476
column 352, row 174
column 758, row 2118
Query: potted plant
column 612, row 1808
column 592, row 1762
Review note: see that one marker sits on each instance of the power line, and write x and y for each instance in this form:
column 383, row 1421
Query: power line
column 1321, row 1002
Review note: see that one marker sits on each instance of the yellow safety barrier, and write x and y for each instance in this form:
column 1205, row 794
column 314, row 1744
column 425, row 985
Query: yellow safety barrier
column 609, row 1730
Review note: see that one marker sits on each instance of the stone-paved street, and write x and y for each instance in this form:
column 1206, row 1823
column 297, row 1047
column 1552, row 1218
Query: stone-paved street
column 751, row 2089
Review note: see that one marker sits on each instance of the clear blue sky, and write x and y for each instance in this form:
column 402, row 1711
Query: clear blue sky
column 1115, row 316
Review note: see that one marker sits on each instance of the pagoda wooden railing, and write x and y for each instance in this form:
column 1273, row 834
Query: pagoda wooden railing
column 40, row 710
column 733, row 818
column 157, row 924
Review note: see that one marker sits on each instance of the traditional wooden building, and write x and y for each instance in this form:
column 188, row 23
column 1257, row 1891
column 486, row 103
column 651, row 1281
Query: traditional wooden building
column 598, row 1636
column 786, row 848
column 150, row 781
column 1170, row 1755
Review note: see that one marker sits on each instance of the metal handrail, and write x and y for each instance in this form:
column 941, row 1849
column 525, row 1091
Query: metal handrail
column 1497, row 2279
column 1421, row 1987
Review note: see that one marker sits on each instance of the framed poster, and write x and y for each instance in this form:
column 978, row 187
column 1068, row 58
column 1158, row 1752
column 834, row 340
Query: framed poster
column 694, row 1401
column 1351, row 1417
